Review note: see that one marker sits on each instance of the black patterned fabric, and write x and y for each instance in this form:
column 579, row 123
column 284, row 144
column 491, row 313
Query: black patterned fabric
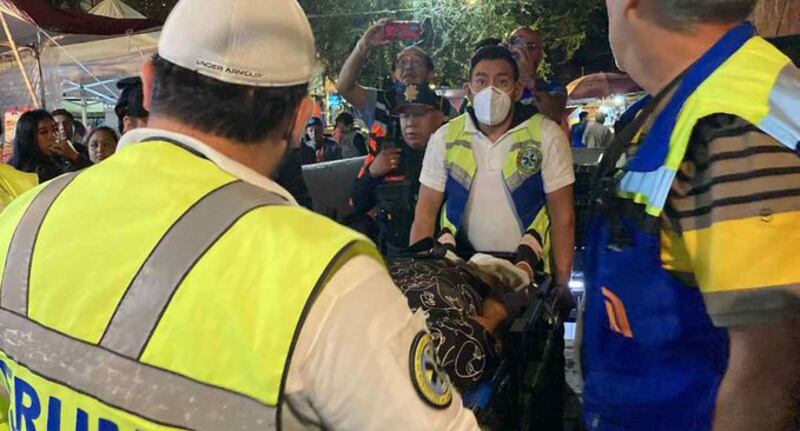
column 450, row 295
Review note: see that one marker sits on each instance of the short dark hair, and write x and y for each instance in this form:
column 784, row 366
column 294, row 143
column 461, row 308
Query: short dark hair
column 63, row 112
column 345, row 118
column 428, row 59
column 682, row 14
column 489, row 41
column 494, row 52
column 241, row 113
column 583, row 115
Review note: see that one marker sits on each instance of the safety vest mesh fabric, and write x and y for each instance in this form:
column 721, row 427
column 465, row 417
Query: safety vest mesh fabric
column 525, row 189
column 218, row 352
column 758, row 69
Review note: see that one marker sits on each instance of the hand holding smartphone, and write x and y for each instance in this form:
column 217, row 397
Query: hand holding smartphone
column 402, row 31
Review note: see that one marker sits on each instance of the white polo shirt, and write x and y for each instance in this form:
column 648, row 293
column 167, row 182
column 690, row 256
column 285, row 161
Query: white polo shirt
column 350, row 367
column 490, row 220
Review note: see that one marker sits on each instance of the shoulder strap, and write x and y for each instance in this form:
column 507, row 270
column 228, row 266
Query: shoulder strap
column 176, row 254
column 534, row 127
column 455, row 128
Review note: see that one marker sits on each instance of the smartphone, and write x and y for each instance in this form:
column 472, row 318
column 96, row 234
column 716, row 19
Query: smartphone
column 402, row 30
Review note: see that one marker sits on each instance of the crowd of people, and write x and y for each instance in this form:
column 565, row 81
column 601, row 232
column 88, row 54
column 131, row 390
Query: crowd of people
column 49, row 144
column 215, row 302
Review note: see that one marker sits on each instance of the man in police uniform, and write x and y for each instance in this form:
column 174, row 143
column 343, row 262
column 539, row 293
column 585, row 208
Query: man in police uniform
column 212, row 301
column 693, row 284
column 385, row 192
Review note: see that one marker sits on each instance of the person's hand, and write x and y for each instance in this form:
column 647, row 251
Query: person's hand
column 493, row 314
column 63, row 149
column 500, row 273
column 527, row 68
column 373, row 37
column 551, row 105
column 386, row 162
column 564, row 301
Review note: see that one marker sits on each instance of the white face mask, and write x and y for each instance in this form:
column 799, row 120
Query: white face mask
column 491, row 105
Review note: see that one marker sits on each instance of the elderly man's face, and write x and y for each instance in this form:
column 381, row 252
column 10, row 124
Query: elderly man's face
column 531, row 41
column 412, row 68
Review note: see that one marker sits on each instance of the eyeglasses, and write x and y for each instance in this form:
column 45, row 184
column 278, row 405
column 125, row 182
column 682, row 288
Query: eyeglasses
column 409, row 62
column 521, row 41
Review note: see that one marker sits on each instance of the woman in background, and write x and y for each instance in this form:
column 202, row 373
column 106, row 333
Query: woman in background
column 38, row 150
column 102, row 143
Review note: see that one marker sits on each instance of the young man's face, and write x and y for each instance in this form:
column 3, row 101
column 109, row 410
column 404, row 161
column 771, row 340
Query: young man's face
column 63, row 121
column 417, row 124
column 497, row 73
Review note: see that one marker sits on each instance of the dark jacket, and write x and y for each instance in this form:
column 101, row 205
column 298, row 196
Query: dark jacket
column 47, row 168
column 390, row 201
column 290, row 177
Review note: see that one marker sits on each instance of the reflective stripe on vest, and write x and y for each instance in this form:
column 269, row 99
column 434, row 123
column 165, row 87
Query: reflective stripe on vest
column 195, row 330
column 99, row 370
column 525, row 188
column 771, row 84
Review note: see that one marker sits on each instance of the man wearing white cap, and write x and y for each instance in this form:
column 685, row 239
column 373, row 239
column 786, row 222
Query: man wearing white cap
column 213, row 301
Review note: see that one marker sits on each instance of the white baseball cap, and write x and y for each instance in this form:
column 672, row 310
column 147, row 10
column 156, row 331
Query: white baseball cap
column 262, row 43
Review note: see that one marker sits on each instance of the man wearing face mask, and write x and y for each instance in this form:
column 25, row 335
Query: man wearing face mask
column 500, row 181
column 213, row 301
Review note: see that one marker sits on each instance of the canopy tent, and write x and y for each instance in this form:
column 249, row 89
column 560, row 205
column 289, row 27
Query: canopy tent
column 43, row 17
column 115, row 9
column 33, row 35
column 91, row 65
column 600, row 85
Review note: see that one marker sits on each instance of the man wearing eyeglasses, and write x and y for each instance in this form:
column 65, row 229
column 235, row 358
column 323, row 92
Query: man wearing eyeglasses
column 550, row 98
column 413, row 66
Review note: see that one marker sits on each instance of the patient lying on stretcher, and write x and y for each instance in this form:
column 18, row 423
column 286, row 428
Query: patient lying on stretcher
column 467, row 305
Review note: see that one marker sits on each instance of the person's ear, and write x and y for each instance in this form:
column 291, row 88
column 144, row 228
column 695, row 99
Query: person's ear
column 438, row 118
column 634, row 8
column 148, row 75
column 304, row 111
column 431, row 76
column 519, row 90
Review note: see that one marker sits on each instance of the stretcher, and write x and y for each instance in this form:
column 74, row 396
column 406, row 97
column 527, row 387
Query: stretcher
column 523, row 390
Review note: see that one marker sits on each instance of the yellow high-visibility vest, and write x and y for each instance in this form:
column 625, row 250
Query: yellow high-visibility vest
column 14, row 183
column 175, row 306
column 522, row 175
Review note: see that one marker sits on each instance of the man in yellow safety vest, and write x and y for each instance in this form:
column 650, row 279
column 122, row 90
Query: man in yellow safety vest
column 211, row 300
